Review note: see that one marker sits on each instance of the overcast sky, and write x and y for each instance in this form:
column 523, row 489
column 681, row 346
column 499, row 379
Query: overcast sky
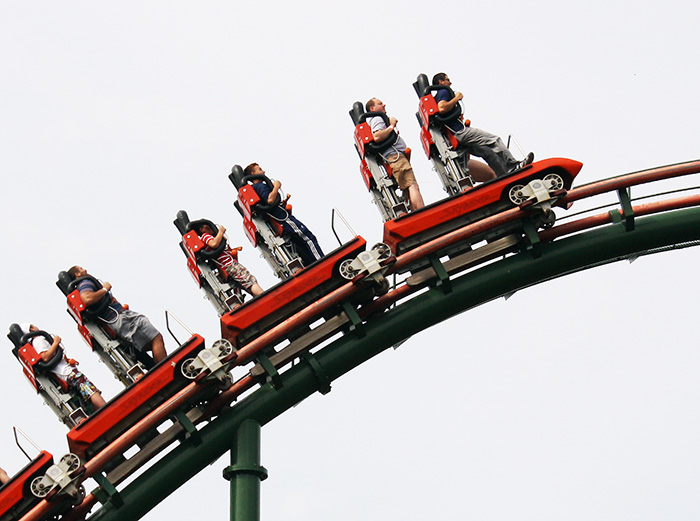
column 576, row 399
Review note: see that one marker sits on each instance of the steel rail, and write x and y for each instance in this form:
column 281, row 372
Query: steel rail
column 632, row 179
column 488, row 282
column 607, row 217
column 251, row 349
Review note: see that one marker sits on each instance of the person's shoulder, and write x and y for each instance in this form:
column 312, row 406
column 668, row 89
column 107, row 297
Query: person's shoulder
column 86, row 285
column 376, row 122
column 443, row 95
column 261, row 187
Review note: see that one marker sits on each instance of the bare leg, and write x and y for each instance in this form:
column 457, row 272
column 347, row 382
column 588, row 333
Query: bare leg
column 255, row 289
column 4, row 478
column 158, row 348
column 97, row 400
column 481, row 172
column 415, row 197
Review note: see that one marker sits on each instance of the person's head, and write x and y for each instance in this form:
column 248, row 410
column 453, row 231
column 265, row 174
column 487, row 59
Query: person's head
column 204, row 228
column 375, row 105
column 441, row 79
column 253, row 169
column 27, row 328
column 76, row 272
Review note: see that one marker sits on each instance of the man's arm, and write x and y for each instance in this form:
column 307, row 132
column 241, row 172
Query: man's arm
column 275, row 191
column 382, row 134
column 48, row 354
column 446, row 106
column 92, row 297
column 214, row 242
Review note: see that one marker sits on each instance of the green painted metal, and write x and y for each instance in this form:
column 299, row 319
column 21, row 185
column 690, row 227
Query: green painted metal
column 245, row 473
column 564, row 256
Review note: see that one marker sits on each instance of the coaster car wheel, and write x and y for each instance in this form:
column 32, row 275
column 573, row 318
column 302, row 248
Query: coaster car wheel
column 382, row 287
column 516, row 196
column 383, row 250
column 76, row 499
column 189, row 369
column 346, row 269
column 70, row 461
column 39, row 487
column 224, row 346
column 554, row 181
column 226, row 382
column 548, row 219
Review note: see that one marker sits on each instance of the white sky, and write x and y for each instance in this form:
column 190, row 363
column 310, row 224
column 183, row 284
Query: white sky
column 574, row 400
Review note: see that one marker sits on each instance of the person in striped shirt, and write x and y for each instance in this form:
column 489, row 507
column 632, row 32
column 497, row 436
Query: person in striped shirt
column 228, row 259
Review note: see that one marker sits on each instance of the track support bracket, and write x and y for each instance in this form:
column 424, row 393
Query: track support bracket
column 324, row 383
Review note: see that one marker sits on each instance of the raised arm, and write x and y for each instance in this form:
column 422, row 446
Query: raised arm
column 48, row 354
column 381, row 135
column 92, row 297
column 275, row 191
column 446, row 106
column 215, row 241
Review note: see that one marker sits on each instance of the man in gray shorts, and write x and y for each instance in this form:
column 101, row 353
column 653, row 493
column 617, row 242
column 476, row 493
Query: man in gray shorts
column 396, row 155
column 128, row 325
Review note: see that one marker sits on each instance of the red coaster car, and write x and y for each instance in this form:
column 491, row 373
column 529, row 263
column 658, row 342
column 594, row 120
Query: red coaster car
column 537, row 186
column 135, row 402
column 16, row 498
column 276, row 304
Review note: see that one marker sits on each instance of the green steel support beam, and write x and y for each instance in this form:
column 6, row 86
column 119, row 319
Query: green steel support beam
column 245, row 473
column 564, row 256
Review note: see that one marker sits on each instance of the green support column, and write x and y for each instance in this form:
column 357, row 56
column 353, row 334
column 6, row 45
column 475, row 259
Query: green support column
column 245, row 473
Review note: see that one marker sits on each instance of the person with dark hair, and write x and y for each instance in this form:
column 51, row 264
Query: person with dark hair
column 228, row 259
column 66, row 369
column 127, row 324
column 396, row 156
column 477, row 142
column 306, row 243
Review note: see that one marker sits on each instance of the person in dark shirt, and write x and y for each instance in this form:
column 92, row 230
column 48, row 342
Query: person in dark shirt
column 477, row 142
column 127, row 324
column 307, row 246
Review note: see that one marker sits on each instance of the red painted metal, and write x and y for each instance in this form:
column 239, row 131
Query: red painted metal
column 483, row 200
column 133, row 403
column 12, row 492
column 286, row 298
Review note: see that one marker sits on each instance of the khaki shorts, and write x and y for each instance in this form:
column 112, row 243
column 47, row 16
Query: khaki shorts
column 403, row 173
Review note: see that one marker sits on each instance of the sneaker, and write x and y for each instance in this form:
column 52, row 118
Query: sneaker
column 522, row 164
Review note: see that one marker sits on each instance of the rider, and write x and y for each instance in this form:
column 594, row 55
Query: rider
column 127, row 324
column 396, row 155
column 305, row 241
column 66, row 369
column 228, row 259
column 476, row 141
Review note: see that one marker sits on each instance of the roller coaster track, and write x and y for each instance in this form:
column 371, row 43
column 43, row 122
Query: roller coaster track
column 436, row 290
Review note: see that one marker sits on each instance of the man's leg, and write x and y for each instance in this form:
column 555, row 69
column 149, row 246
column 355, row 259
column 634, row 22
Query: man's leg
column 97, row 400
column 158, row 348
column 489, row 147
column 304, row 239
column 415, row 197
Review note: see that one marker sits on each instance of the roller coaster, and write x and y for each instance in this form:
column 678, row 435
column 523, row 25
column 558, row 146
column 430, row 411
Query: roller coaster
column 324, row 318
